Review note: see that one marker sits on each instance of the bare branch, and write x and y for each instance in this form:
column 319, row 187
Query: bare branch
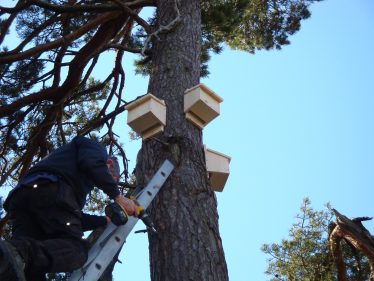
column 111, row 94
column 17, row 120
column 75, row 8
column 124, row 158
column 19, row 7
column 89, row 70
column 141, row 3
column 6, row 58
column 134, row 15
column 38, row 138
column 77, row 65
column 90, row 8
column 35, row 32
column 59, row 126
column 334, row 241
column 356, row 235
column 99, row 121
column 163, row 28
column 5, row 27
column 4, row 175
column 124, row 48
column 57, row 67
column 118, row 69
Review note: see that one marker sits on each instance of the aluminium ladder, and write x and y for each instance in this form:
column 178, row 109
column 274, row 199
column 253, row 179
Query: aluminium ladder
column 111, row 240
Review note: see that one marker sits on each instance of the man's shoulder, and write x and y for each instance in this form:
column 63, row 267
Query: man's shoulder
column 84, row 140
column 90, row 146
column 80, row 138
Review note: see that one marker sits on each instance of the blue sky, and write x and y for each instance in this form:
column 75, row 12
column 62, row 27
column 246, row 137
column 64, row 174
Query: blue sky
column 296, row 122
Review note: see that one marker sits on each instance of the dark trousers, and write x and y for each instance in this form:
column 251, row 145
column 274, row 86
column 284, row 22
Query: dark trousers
column 46, row 234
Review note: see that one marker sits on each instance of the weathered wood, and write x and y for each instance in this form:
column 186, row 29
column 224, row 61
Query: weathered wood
column 356, row 235
column 334, row 240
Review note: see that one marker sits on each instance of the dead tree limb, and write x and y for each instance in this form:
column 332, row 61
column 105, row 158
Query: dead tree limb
column 356, row 235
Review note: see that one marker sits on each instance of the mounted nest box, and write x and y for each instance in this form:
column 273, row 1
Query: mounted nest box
column 201, row 105
column 147, row 116
column 217, row 165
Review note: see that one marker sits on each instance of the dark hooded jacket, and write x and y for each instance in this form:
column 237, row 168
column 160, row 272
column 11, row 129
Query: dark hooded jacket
column 82, row 165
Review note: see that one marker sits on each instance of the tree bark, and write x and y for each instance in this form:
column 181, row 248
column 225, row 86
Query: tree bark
column 188, row 244
column 356, row 235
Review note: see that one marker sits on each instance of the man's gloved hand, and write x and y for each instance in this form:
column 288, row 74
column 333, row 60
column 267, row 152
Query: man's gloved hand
column 116, row 214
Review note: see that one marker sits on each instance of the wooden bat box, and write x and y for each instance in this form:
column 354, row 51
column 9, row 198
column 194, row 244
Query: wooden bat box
column 201, row 105
column 147, row 116
column 218, row 167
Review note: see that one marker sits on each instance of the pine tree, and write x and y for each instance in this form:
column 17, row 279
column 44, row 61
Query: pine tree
column 49, row 95
column 306, row 255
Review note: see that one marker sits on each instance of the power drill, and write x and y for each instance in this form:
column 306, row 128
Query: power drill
column 144, row 216
column 119, row 216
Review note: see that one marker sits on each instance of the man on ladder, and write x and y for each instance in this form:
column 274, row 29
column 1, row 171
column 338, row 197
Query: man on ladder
column 46, row 211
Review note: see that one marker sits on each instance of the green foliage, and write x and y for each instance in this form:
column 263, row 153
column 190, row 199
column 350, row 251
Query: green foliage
column 80, row 110
column 35, row 17
column 96, row 202
column 305, row 255
column 142, row 66
column 43, row 109
column 13, row 78
column 251, row 25
column 246, row 25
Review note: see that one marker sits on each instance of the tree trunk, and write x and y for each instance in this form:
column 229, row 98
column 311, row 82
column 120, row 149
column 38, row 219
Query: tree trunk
column 188, row 245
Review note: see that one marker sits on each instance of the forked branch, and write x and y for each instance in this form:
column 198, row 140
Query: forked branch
column 163, row 28
column 356, row 235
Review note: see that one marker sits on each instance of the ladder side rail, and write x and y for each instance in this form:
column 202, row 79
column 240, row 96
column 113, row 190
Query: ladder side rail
column 112, row 239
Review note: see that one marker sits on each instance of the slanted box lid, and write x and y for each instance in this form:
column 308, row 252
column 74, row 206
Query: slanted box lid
column 218, row 153
column 143, row 99
column 207, row 90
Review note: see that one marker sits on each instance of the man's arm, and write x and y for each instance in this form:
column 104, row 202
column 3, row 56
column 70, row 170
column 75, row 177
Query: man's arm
column 92, row 160
column 91, row 222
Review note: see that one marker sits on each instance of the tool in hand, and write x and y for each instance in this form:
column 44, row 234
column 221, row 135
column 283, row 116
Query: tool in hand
column 112, row 239
column 119, row 216
column 144, row 216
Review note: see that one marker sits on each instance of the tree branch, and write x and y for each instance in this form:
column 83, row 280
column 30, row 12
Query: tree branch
column 38, row 138
column 90, row 8
column 163, row 28
column 123, row 48
column 5, row 27
column 7, row 58
column 4, row 175
column 99, row 121
column 89, row 70
column 334, row 241
column 75, row 8
column 77, row 65
column 35, row 32
column 19, row 7
column 134, row 15
column 355, row 234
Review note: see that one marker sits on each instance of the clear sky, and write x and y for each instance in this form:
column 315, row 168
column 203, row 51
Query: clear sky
column 296, row 122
